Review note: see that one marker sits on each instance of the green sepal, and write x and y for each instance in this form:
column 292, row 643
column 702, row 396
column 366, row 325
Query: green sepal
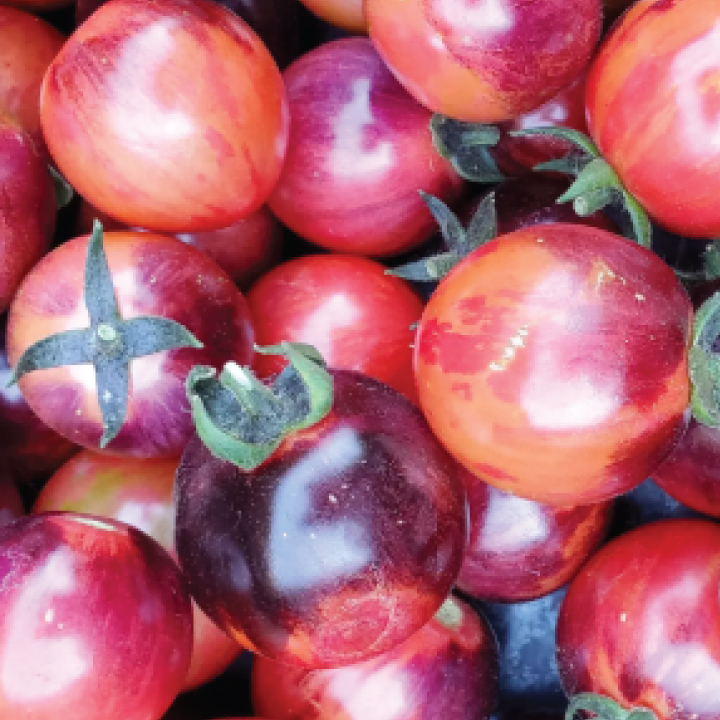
column 605, row 708
column 465, row 145
column 704, row 364
column 243, row 421
column 596, row 185
column 109, row 343
column 459, row 240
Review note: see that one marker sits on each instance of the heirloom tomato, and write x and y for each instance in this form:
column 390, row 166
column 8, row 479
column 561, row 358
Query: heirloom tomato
column 168, row 115
column 484, row 61
column 553, row 362
column 652, row 106
column 640, row 622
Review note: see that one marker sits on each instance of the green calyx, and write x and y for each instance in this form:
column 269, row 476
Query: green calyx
column 466, row 146
column 108, row 344
column 460, row 241
column 63, row 189
column 704, row 364
column 604, row 708
column 596, row 183
column 242, row 420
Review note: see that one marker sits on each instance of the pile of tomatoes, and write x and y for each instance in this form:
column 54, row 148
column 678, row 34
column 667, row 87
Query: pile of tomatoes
column 360, row 359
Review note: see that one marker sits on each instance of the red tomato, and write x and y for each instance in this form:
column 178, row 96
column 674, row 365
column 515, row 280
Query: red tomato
column 447, row 669
column 484, row 61
column 355, row 315
column 640, row 623
column 168, row 115
column 153, row 275
column 360, row 149
column 27, row 46
column 27, row 207
column 656, row 121
column 553, row 363
column 347, row 14
column 138, row 492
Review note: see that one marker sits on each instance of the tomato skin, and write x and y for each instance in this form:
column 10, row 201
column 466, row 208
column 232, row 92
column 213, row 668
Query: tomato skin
column 138, row 492
column 691, row 473
column 552, row 363
column 360, row 149
column 27, row 47
column 653, row 111
column 520, row 549
column 355, row 315
column 441, row 671
column 153, row 275
column 469, row 61
column 143, row 152
column 640, row 622
column 28, row 208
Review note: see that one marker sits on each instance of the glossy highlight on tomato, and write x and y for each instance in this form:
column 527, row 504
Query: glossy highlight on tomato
column 553, row 363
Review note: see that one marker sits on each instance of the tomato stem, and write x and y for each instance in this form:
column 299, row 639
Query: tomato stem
column 460, row 241
column 242, row 420
column 596, row 183
column 465, row 145
column 704, row 363
column 605, row 708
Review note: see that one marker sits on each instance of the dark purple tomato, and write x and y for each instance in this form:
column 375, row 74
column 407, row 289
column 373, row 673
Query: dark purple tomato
column 244, row 250
column 484, row 61
column 553, row 363
column 355, row 315
column 169, row 115
column 152, row 275
column 691, row 473
column 28, row 45
column 641, row 621
column 447, row 669
column 532, row 200
column 521, row 549
column 360, row 149
column 96, row 621
column 336, row 549
column 139, row 493
column 28, row 208
column 28, row 447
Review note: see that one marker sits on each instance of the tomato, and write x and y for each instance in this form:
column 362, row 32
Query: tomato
column 447, row 669
column 355, row 315
column 147, row 154
column 640, row 623
column 152, row 275
column 28, row 45
column 553, row 363
column 138, row 492
column 520, row 549
column 653, row 110
column 337, row 547
column 360, row 149
column 28, row 207
column 96, row 620
column 347, row 14
column 484, row 61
